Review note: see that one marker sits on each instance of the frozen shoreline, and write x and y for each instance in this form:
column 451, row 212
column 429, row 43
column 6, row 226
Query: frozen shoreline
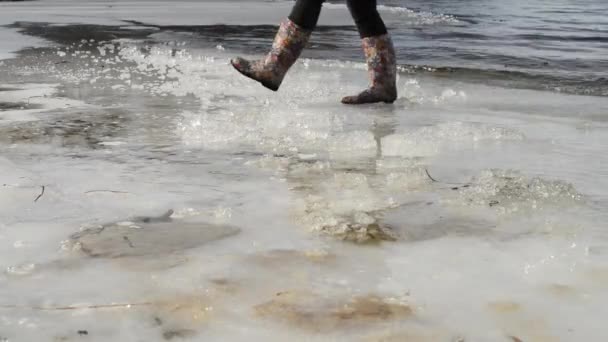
column 496, row 197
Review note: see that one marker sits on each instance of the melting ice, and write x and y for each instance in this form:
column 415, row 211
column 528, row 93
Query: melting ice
column 148, row 192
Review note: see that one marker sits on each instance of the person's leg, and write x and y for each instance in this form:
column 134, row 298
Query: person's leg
column 366, row 17
column 305, row 13
column 379, row 54
column 288, row 44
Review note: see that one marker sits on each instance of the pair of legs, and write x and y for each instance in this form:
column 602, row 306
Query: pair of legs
column 305, row 13
column 295, row 32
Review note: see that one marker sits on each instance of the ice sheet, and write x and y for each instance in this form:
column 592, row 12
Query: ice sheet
column 462, row 212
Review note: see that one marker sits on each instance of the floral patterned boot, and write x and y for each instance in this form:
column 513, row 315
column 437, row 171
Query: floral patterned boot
column 286, row 48
column 382, row 68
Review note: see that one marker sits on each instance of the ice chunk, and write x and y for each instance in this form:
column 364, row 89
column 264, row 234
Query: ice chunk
column 510, row 191
column 153, row 236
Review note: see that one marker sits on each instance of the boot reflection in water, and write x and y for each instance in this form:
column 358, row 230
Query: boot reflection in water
column 294, row 33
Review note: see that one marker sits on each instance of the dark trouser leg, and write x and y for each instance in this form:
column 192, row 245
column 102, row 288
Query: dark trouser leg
column 305, row 13
column 366, row 16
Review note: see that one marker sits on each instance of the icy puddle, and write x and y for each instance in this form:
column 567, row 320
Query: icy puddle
column 150, row 193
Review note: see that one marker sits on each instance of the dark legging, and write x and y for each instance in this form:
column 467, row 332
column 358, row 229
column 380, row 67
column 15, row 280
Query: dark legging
column 306, row 13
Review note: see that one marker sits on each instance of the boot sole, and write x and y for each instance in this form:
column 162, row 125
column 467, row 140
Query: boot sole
column 391, row 101
column 264, row 83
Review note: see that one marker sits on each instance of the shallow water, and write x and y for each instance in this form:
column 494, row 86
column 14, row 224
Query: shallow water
column 473, row 209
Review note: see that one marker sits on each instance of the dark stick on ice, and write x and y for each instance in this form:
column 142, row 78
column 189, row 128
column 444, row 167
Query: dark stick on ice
column 126, row 238
column 41, row 194
column 464, row 185
column 430, row 177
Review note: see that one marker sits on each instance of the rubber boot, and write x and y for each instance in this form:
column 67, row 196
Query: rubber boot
column 382, row 68
column 286, row 48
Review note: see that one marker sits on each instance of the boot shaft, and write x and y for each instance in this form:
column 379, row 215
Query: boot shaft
column 287, row 46
column 382, row 69
column 381, row 60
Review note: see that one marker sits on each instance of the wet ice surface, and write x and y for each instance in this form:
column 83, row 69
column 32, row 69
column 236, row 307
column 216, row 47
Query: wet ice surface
column 463, row 212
